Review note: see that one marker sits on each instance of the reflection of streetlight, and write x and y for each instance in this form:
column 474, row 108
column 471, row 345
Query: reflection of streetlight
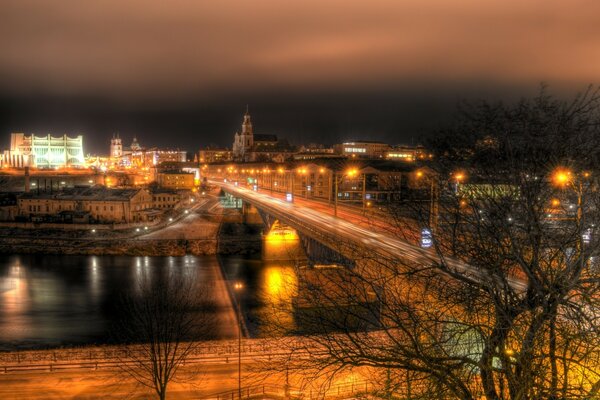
column 238, row 286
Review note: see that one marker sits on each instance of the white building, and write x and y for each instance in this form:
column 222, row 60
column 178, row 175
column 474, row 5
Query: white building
column 363, row 148
column 116, row 147
column 44, row 151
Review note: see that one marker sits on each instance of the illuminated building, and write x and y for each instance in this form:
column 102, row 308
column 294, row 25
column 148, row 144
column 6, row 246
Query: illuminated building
column 176, row 180
column 363, row 149
column 248, row 146
column 210, row 155
column 116, row 147
column 138, row 156
column 407, row 153
column 44, row 151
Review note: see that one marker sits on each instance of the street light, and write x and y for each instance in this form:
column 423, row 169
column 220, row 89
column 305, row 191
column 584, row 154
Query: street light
column 349, row 173
column 459, row 177
column 238, row 286
column 432, row 203
column 563, row 177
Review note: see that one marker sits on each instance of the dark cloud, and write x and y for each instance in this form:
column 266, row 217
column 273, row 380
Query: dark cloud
column 175, row 68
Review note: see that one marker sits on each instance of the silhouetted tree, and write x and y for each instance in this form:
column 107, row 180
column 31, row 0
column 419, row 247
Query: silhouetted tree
column 505, row 303
column 164, row 322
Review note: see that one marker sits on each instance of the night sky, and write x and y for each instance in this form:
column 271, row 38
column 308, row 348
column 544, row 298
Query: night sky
column 180, row 73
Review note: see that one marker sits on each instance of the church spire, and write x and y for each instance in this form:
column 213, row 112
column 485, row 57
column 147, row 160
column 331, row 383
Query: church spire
column 247, row 124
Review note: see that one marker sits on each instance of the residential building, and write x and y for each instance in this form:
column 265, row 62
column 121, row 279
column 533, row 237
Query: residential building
column 176, row 180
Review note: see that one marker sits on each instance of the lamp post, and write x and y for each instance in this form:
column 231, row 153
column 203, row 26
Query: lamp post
column 562, row 178
column 350, row 173
column 364, row 191
column 459, row 177
column 238, row 286
column 432, row 200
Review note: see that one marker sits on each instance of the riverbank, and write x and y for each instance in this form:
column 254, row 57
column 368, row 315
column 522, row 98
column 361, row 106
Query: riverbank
column 231, row 239
column 207, row 229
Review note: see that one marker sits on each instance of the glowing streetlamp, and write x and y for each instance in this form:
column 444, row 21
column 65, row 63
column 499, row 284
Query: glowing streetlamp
column 420, row 175
column 352, row 172
column 562, row 178
column 458, row 177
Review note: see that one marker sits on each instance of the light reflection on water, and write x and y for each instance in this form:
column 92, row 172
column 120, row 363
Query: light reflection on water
column 266, row 300
column 48, row 300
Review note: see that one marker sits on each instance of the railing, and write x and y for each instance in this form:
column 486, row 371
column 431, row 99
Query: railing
column 217, row 352
column 281, row 391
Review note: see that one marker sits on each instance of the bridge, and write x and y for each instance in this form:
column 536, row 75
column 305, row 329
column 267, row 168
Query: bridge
column 343, row 238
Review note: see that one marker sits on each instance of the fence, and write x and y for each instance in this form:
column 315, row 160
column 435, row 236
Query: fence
column 111, row 356
column 345, row 390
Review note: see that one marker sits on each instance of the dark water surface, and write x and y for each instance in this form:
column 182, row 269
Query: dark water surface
column 52, row 301
column 266, row 297
column 49, row 300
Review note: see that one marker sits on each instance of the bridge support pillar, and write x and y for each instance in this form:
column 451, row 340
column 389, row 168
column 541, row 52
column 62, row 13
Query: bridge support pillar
column 250, row 214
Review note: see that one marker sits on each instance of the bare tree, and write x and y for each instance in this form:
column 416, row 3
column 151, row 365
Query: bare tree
column 505, row 303
column 163, row 325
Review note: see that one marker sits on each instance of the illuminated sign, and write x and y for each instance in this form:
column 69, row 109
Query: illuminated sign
column 587, row 236
column 426, row 238
column 289, row 197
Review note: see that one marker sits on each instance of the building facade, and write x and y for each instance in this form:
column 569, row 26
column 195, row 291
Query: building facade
column 250, row 147
column 363, row 149
column 212, row 155
column 99, row 203
column 116, row 147
column 44, row 151
column 176, row 180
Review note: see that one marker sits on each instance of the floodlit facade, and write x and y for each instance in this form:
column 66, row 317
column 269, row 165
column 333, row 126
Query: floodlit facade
column 364, row 149
column 44, row 151
column 176, row 180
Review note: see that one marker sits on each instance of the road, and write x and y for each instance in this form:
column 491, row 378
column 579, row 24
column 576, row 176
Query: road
column 311, row 221
column 195, row 381
column 191, row 225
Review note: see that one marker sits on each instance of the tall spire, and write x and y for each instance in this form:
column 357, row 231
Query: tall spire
column 247, row 124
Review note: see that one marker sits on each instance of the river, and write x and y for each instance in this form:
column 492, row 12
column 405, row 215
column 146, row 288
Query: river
column 52, row 301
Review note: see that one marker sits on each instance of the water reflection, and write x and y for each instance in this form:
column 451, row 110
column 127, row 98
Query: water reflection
column 63, row 300
column 278, row 284
column 270, row 288
column 283, row 298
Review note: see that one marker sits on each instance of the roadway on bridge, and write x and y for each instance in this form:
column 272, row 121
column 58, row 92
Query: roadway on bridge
column 308, row 219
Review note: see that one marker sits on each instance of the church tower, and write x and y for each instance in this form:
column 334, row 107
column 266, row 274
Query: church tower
column 116, row 147
column 244, row 141
column 247, row 134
